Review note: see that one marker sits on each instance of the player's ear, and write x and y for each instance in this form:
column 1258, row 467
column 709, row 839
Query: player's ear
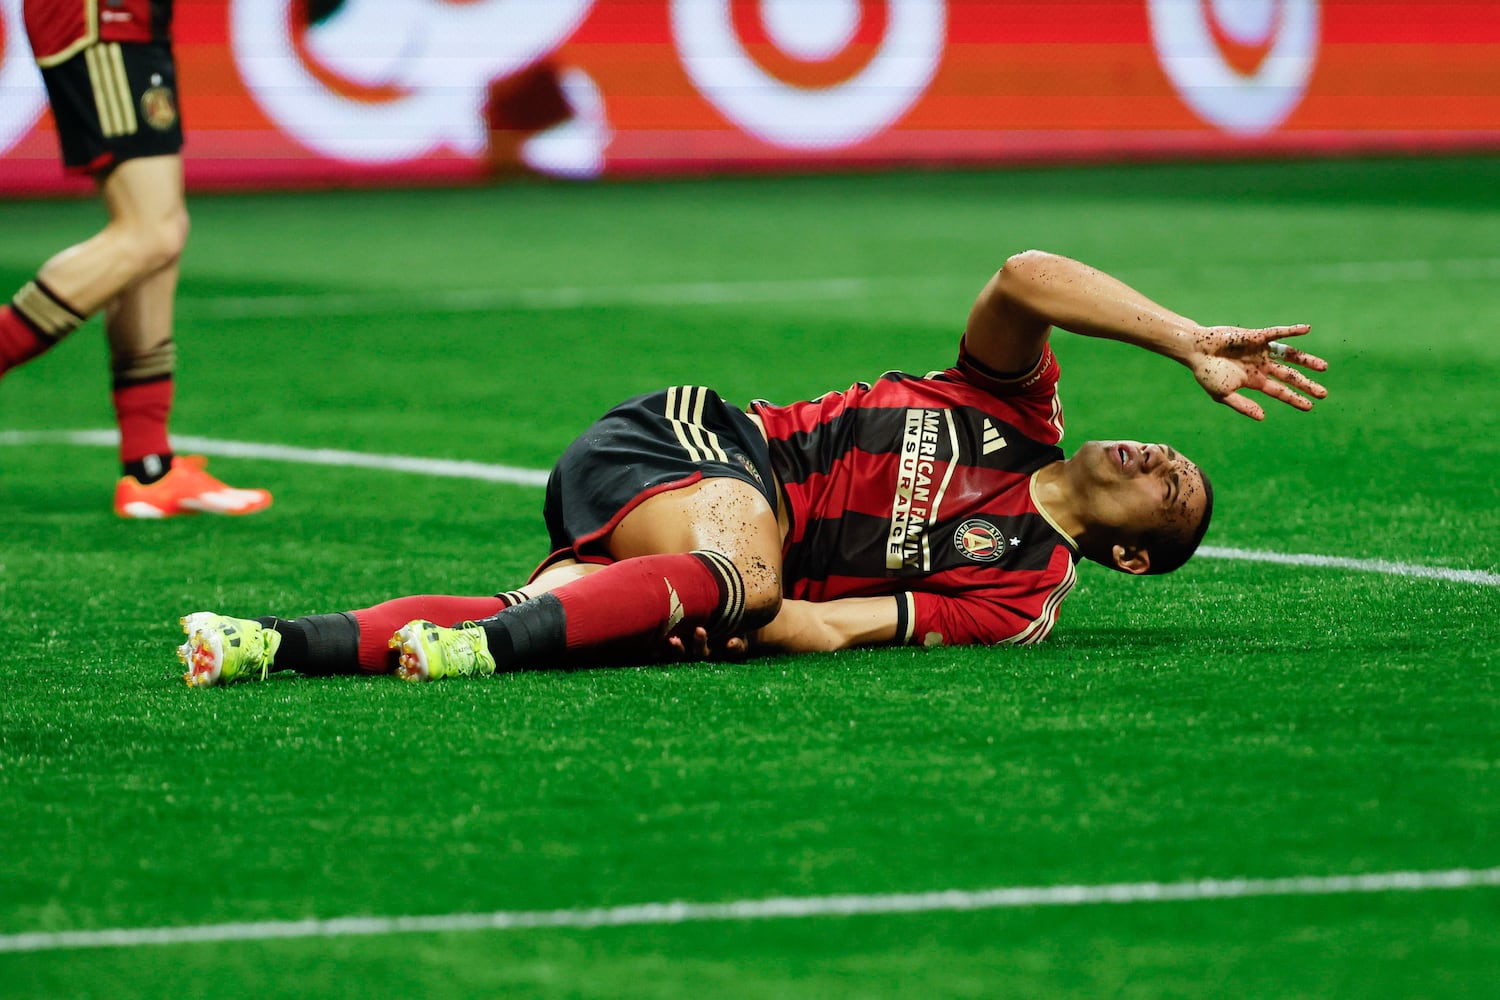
column 1133, row 559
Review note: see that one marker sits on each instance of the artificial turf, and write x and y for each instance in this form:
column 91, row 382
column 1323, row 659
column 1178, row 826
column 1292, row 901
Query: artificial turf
column 1235, row 719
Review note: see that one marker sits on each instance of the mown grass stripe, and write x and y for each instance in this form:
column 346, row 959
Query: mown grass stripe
column 709, row 293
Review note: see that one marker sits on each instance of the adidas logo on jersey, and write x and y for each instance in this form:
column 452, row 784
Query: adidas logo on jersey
column 993, row 442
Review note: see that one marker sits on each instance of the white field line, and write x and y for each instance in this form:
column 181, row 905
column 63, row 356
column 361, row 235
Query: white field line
column 306, row 456
column 1364, row 565
column 787, row 907
column 709, row 293
column 533, row 477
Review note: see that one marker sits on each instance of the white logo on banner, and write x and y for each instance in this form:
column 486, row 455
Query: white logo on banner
column 801, row 117
column 1281, row 36
column 436, row 57
column 22, row 97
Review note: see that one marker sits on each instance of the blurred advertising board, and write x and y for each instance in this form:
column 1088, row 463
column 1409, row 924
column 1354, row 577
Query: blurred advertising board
column 333, row 92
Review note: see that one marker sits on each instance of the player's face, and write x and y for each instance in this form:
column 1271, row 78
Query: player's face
column 1139, row 488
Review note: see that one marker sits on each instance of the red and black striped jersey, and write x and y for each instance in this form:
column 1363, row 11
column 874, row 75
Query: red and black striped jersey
column 59, row 29
column 921, row 487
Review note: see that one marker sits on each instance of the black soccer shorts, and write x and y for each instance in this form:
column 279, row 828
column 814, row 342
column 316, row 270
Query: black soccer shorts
column 113, row 102
column 644, row 446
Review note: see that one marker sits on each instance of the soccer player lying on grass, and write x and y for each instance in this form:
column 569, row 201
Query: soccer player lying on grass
column 930, row 510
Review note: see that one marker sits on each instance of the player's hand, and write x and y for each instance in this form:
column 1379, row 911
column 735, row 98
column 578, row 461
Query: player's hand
column 1227, row 359
column 697, row 648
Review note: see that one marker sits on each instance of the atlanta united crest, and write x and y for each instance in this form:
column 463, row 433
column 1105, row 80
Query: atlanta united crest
column 159, row 108
column 979, row 540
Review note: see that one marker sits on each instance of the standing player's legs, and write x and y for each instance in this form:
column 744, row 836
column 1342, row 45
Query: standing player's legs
column 146, row 203
column 115, row 108
column 146, row 230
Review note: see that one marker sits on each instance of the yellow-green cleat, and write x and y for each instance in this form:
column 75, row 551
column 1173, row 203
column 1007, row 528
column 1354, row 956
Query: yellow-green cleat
column 430, row 652
column 220, row 649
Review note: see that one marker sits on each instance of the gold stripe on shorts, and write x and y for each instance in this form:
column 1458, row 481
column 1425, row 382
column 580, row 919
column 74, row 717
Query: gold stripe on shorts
column 111, row 87
column 684, row 410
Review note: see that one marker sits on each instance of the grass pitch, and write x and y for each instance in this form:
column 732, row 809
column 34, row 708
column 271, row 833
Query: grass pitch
column 1236, row 719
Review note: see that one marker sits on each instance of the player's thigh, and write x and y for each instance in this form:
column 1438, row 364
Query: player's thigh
column 147, row 195
column 728, row 516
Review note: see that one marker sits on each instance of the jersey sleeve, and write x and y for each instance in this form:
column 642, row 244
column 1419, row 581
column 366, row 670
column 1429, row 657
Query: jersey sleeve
column 1028, row 399
column 1015, row 614
column 1039, row 381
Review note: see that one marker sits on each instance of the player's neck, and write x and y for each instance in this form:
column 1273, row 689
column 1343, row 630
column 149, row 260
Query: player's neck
column 1061, row 500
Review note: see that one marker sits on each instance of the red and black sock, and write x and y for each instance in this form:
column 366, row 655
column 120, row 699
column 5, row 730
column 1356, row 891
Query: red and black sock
column 141, row 411
column 378, row 624
column 624, row 610
column 357, row 642
column 142, row 390
column 33, row 323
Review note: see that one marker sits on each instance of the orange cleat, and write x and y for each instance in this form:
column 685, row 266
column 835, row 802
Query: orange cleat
column 185, row 489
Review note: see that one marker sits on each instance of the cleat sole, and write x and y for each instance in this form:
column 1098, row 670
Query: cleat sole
column 411, row 659
column 202, row 653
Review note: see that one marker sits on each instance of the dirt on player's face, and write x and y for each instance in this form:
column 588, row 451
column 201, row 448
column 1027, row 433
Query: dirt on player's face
column 1141, row 489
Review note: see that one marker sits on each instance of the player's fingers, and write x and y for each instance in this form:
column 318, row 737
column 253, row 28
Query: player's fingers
column 1278, row 391
column 1299, row 381
column 1240, row 404
column 1291, row 355
column 1306, row 360
column 1277, row 332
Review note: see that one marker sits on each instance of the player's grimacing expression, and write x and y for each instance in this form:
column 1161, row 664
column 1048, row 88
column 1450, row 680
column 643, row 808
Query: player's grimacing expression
column 1143, row 488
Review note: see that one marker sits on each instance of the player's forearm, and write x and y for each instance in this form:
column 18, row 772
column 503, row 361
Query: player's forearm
column 812, row 627
column 1081, row 299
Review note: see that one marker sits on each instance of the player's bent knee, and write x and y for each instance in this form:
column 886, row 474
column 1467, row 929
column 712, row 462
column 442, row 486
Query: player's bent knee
column 750, row 592
column 762, row 592
column 761, row 612
column 167, row 239
column 181, row 225
column 158, row 244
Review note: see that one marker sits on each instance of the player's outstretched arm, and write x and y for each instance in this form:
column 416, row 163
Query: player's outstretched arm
column 1035, row 291
column 821, row 626
column 799, row 627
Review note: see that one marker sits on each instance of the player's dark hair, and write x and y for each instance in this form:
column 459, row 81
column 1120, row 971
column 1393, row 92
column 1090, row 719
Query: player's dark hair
column 1168, row 552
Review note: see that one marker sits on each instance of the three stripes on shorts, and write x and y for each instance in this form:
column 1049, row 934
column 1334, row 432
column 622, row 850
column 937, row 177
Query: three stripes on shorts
column 112, row 98
column 685, row 413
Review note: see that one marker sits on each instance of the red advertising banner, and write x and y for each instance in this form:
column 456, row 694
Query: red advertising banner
column 316, row 92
